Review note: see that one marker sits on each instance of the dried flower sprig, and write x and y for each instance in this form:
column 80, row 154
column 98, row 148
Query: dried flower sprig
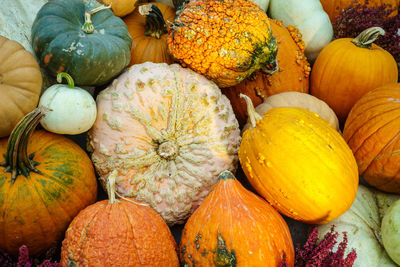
column 24, row 260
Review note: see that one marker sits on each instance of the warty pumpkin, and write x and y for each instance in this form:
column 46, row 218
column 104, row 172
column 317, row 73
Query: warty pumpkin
column 45, row 180
column 149, row 31
column 372, row 131
column 225, row 41
column 20, row 84
column 347, row 69
column 292, row 75
column 169, row 132
column 118, row 232
column 299, row 164
column 235, row 227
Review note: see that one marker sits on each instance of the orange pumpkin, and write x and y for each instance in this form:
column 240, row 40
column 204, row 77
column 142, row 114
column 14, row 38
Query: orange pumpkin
column 45, row 180
column 149, row 31
column 118, row 233
column 347, row 69
column 234, row 227
column 292, row 75
column 372, row 131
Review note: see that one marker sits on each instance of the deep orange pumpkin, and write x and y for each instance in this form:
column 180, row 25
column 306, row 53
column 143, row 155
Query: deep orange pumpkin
column 372, row 131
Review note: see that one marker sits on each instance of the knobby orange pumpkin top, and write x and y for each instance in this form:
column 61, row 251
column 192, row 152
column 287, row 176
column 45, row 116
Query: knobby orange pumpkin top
column 224, row 40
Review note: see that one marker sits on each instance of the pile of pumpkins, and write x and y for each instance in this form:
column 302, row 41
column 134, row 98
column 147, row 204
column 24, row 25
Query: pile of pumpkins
column 184, row 96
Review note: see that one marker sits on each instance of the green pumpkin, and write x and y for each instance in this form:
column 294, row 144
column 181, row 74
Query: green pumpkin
column 92, row 48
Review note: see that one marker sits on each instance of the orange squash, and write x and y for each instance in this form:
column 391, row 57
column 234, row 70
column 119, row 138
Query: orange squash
column 234, row 227
column 45, row 180
column 372, row 131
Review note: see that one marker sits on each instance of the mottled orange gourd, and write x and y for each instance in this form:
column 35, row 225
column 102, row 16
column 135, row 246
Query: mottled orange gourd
column 234, row 227
column 372, row 131
column 225, row 41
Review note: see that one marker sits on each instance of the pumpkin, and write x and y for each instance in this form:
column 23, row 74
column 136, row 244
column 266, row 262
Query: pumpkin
column 391, row 231
column 81, row 38
column 372, row 131
column 20, row 84
column 301, row 100
column 299, row 164
column 225, row 41
column 362, row 224
column 347, row 69
column 292, row 74
column 311, row 20
column 118, row 232
column 149, row 33
column 120, row 8
column 45, row 180
column 71, row 110
column 169, row 132
column 234, row 227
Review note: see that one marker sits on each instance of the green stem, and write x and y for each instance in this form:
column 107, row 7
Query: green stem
column 88, row 27
column 155, row 23
column 68, row 77
column 226, row 175
column 253, row 115
column 367, row 37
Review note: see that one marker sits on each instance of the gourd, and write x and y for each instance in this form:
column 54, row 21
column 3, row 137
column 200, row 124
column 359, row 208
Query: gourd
column 224, row 41
column 149, row 31
column 72, row 110
column 81, row 38
column 347, row 69
column 309, row 17
column 362, row 224
column 234, row 227
column 292, row 75
column 118, row 232
column 372, row 132
column 20, row 84
column 120, row 8
column 391, row 231
column 45, row 180
column 299, row 164
column 169, row 132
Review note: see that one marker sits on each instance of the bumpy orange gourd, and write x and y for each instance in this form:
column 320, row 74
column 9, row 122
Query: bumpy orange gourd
column 118, row 232
column 372, row 131
column 234, row 227
column 225, row 41
column 347, row 69
column 45, row 180
column 299, row 164
column 149, row 31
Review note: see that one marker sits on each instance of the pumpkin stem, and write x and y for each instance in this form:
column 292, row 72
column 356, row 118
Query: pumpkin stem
column 178, row 4
column 155, row 23
column 367, row 37
column 253, row 115
column 68, row 77
column 17, row 161
column 226, row 175
column 88, row 27
column 111, row 187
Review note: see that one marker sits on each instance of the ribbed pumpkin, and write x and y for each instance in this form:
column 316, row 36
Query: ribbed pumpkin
column 45, row 180
column 299, row 164
column 292, row 75
column 118, row 232
column 20, row 84
column 234, row 227
column 169, row 131
column 120, row 8
column 225, row 41
column 347, row 69
column 149, row 31
column 372, row 131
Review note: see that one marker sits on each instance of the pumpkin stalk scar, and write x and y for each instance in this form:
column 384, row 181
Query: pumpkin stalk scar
column 222, row 257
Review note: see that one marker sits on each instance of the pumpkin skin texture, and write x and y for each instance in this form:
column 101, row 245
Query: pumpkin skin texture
column 344, row 72
column 372, row 131
column 120, row 8
column 299, row 164
column 292, row 75
column 234, row 227
column 61, row 45
column 362, row 223
column 20, row 84
column 225, row 41
column 169, row 131
column 391, row 231
column 150, row 44
column 36, row 210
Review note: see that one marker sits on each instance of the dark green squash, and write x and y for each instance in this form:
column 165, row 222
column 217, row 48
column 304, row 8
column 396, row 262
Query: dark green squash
column 64, row 41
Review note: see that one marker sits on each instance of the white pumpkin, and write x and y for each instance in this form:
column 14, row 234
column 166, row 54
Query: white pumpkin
column 262, row 3
column 391, row 231
column 309, row 17
column 362, row 222
column 71, row 110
